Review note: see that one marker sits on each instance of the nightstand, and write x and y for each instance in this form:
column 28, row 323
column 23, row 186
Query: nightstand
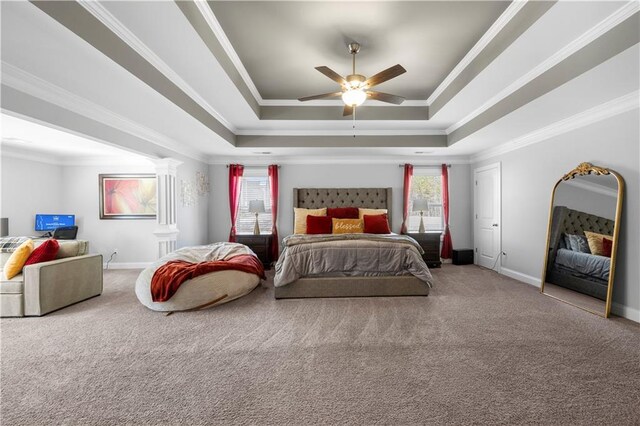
column 260, row 244
column 430, row 243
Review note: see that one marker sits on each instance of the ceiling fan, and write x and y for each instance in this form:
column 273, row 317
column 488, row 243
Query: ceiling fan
column 355, row 87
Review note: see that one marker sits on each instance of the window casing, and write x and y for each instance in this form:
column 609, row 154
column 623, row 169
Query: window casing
column 254, row 186
column 426, row 183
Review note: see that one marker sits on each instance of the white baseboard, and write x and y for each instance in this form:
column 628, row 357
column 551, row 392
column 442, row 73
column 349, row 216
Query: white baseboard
column 616, row 308
column 125, row 265
column 520, row 277
column 625, row 312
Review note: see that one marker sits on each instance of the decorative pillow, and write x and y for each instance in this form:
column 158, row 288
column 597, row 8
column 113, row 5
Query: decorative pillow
column 376, row 224
column 344, row 212
column 607, row 246
column 347, row 226
column 300, row 216
column 10, row 244
column 44, row 252
column 577, row 243
column 319, row 224
column 15, row 263
column 595, row 242
column 371, row 212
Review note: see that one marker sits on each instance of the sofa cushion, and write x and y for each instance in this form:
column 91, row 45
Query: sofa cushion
column 72, row 248
column 18, row 258
column 13, row 286
column 44, row 252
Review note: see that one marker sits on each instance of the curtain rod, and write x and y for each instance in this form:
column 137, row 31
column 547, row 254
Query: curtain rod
column 432, row 166
column 255, row 167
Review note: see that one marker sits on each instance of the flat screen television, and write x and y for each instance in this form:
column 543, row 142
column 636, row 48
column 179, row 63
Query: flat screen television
column 50, row 222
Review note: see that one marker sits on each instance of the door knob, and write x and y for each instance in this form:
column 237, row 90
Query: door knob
column 495, row 224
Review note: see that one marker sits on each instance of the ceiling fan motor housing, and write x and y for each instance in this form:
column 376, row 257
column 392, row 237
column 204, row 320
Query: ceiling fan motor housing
column 355, row 81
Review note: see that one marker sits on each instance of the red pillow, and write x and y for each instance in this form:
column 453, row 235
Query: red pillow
column 319, row 224
column 376, row 224
column 44, row 252
column 607, row 245
column 344, row 213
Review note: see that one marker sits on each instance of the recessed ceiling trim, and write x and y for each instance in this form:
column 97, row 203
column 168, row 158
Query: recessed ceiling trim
column 268, row 132
column 25, row 82
column 365, row 141
column 364, row 112
column 611, row 43
column 86, row 26
column 295, row 160
column 593, row 115
column 215, row 26
column 593, row 187
column 118, row 28
column 370, row 102
column 198, row 15
column 582, row 41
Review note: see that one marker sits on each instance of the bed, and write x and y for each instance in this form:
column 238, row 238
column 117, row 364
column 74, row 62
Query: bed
column 582, row 272
column 356, row 281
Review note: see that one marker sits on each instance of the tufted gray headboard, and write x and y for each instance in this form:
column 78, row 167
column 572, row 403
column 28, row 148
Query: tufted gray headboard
column 570, row 221
column 371, row 198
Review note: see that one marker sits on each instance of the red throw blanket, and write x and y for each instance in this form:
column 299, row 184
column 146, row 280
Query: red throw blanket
column 170, row 276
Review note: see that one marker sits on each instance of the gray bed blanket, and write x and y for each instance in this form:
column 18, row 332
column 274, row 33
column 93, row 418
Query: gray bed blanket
column 350, row 254
column 584, row 263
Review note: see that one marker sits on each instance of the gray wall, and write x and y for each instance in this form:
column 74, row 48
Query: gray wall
column 528, row 176
column 48, row 188
column 29, row 187
column 342, row 176
column 586, row 201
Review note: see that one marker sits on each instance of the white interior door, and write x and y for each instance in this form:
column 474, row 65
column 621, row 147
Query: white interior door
column 487, row 241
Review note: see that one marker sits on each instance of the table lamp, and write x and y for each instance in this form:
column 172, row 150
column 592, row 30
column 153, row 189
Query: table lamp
column 256, row 206
column 420, row 205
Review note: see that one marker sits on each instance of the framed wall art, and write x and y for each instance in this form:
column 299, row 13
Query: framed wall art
column 128, row 196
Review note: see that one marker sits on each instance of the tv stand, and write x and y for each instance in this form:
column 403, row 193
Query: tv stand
column 46, row 235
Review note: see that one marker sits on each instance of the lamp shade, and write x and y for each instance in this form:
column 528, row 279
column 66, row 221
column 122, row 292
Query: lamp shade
column 256, row 206
column 354, row 97
column 420, row 205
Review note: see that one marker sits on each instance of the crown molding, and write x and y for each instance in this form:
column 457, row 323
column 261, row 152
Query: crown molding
column 217, row 30
column 318, row 102
column 322, row 160
column 57, row 160
column 351, row 132
column 593, row 187
column 586, row 38
column 25, row 82
column 119, row 29
column 593, row 115
column 511, row 11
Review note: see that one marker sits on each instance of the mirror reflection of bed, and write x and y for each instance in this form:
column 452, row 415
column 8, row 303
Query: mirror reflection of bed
column 582, row 237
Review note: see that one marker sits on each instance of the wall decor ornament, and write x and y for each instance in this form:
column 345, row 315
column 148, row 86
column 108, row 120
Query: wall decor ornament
column 202, row 184
column 128, row 196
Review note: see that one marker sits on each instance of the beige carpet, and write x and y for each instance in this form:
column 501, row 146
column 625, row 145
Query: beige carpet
column 481, row 349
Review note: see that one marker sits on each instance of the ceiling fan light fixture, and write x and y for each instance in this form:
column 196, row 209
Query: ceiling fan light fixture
column 354, row 97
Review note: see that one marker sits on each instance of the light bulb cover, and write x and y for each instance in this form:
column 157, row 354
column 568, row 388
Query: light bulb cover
column 354, row 97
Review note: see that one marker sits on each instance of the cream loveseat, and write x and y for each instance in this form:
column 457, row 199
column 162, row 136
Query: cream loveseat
column 48, row 286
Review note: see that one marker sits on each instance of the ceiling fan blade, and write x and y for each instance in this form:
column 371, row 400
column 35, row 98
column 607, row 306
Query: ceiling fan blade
column 332, row 75
column 348, row 110
column 385, row 75
column 323, row 96
column 385, row 97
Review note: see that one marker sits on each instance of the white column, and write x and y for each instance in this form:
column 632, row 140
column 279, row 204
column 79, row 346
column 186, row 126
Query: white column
column 166, row 221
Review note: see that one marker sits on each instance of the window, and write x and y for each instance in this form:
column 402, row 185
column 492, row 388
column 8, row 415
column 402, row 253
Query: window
column 426, row 184
column 254, row 186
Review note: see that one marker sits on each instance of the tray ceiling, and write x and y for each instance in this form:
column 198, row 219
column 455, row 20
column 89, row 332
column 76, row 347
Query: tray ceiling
column 280, row 43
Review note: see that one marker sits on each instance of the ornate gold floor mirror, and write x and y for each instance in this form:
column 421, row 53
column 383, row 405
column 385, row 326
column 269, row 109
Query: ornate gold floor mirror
column 582, row 238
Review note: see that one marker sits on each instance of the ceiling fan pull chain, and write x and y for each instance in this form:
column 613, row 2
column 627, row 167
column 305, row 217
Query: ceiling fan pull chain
column 354, row 121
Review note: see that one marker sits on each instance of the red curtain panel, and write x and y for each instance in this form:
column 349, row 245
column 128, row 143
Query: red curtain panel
column 408, row 175
column 235, row 178
column 273, row 184
column 447, row 246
